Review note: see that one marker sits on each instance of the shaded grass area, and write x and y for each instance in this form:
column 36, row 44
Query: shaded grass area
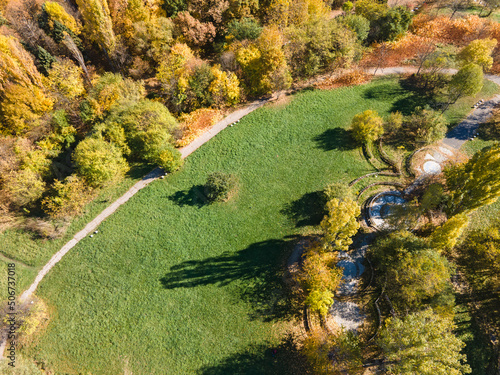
column 480, row 354
column 174, row 285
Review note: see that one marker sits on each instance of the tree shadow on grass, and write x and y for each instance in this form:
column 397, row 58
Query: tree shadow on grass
column 490, row 131
column 478, row 349
column 407, row 104
column 258, row 271
column 307, row 210
column 335, row 139
column 195, row 196
column 284, row 359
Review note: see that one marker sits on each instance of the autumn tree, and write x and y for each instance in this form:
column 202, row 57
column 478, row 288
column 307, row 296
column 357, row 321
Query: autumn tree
column 445, row 237
column 340, row 224
column 110, row 90
column 99, row 162
column 173, row 74
column 367, row 127
column 65, row 79
column 339, row 353
column 475, row 183
column 422, row 343
column 263, row 63
column 67, row 198
column 478, row 52
column 319, row 277
column 196, row 34
column 315, row 46
column 22, row 107
column 24, row 186
column 98, row 26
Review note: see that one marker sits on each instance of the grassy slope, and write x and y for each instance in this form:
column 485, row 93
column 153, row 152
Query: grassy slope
column 174, row 285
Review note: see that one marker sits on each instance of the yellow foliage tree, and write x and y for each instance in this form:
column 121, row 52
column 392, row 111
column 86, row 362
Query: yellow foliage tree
column 21, row 108
column 67, row 199
column 367, row 127
column 59, row 14
column 225, row 88
column 16, row 65
column 478, row 52
column 340, row 224
column 66, row 79
column 98, row 25
column 445, row 237
column 264, row 64
column 475, row 183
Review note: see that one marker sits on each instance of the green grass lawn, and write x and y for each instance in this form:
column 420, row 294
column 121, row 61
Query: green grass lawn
column 172, row 285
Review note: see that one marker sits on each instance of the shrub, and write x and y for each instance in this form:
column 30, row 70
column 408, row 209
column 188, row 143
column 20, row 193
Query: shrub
column 220, row 186
column 168, row 158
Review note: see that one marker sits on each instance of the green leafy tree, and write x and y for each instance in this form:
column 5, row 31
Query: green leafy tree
column 359, row 24
column 167, row 157
column 425, row 126
column 367, row 127
column 468, row 81
column 475, row 183
column 480, row 255
column 241, row 29
column 414, row 272
column 147, row 126
column 109, row 91
column 347, row 6
column 422, row 343
column 340, row 223
column 445, row 237
column 478, row 52
column 393, row 23
column 99, row 162
column 317, row 45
